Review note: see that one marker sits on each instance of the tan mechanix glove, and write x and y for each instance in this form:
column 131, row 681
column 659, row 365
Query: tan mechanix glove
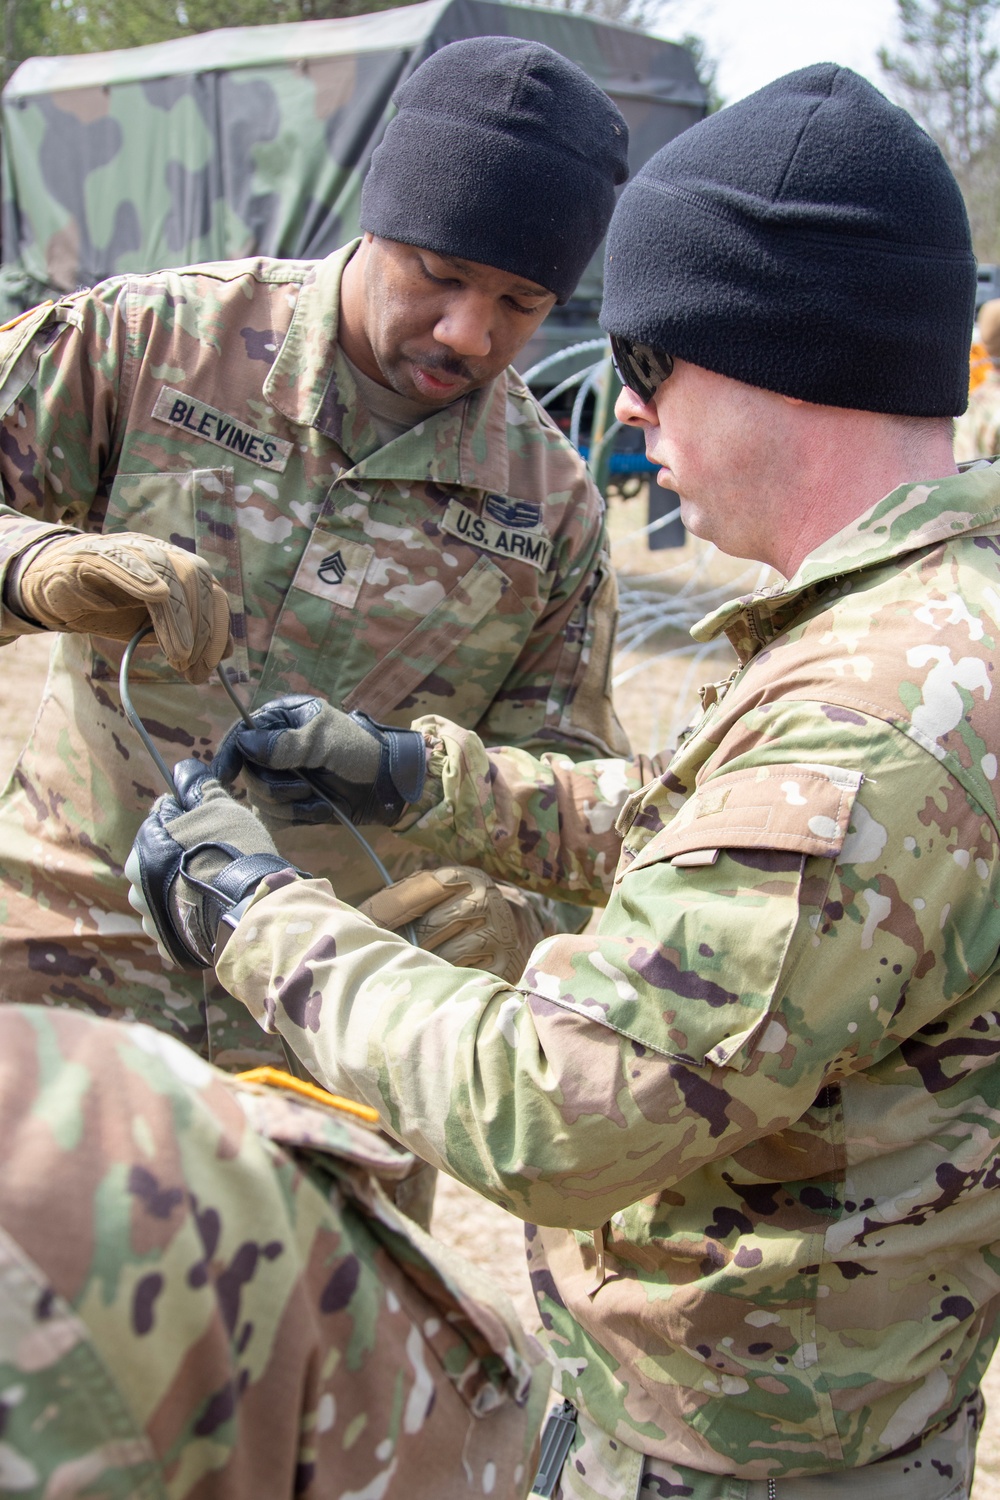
column 113, row 585
column 463, row 916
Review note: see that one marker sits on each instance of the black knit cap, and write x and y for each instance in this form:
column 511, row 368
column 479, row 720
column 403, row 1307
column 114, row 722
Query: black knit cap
column 502, row 152
column 811, row 240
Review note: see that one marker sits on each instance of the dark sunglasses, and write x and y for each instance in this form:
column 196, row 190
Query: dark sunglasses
column 639, row 367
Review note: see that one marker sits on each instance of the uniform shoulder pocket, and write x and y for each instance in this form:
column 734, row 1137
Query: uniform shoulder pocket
column 467, row 1330
column 803, row 809
column 453, row 623
column 17, row 358
column 721, row 901
column 308, row 1126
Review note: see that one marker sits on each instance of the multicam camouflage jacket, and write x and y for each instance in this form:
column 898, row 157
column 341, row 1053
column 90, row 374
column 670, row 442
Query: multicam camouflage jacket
column 206, row 1292
column 458, row 569
column 756, row 1113
column 977, row 431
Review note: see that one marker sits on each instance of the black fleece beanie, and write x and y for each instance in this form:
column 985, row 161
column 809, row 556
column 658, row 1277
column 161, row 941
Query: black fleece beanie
column 811, row 240
column 502, row 152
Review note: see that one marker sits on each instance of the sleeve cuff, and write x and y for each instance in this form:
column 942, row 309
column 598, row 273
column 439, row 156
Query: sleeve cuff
column 13, row 621
column 433, row 791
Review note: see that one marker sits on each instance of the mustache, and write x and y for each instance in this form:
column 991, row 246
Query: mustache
column 448, row 364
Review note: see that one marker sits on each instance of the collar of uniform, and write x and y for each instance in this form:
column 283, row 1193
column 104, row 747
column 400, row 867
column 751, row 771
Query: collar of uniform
column 908, row 519
column 464, row 443
column 297, row 381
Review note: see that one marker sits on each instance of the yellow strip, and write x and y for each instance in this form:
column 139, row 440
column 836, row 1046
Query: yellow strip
column 279, row 1080
column 26, row 314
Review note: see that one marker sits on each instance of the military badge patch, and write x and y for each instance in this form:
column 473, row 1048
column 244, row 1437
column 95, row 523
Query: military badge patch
column 532, row 547
column 523, row 515
column 181, row 411
column 333, row 569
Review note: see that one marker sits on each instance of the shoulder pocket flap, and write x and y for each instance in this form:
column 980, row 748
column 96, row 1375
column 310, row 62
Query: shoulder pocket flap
column 15, row 337
column 802, row 808
column 449, row 624
column 302, row 1125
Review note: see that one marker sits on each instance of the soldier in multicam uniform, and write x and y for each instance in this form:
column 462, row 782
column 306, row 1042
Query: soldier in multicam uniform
column 977, row 431
column 755, row 1115
column 387, row 513
column 206, row 1292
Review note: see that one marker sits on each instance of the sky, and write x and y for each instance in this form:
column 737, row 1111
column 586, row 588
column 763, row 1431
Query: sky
column 757, row 40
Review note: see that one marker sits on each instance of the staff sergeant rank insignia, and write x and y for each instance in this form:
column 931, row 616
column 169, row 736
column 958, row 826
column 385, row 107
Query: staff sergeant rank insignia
column 333, row 569
column 194, row 417
column 532, row 547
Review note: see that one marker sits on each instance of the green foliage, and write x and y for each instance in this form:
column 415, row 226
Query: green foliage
column 35, row 28
column 945, row 72
column 707, row 68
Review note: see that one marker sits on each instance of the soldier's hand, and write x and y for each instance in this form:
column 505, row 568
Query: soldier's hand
column 370, row 771
column 463, row 916
column 196, row 857
column 113, row 585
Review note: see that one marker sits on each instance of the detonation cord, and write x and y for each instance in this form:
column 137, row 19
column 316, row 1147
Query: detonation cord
column 310, row 779
column 133, row 717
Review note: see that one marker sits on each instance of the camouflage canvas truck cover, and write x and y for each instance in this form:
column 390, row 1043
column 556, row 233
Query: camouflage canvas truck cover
column 255, row 140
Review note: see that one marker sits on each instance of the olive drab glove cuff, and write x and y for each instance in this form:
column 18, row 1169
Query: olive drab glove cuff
column 114, row 585
column 463, row 916
column 195, row 859
column 370, row 771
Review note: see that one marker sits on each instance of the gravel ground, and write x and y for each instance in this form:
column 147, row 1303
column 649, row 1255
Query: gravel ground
column 647, row 703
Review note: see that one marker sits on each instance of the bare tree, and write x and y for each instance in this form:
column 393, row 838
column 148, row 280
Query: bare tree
column 707, row 68
column 945, row 73
column 639, row 13
column 645, row 13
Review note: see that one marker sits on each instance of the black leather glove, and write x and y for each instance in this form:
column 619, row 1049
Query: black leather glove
column 370, row 771
column 196, row 858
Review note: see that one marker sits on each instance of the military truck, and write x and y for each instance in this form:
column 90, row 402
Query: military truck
column 255, row 141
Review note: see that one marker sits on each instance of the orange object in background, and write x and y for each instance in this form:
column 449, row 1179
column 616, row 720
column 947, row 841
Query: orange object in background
column 979, row 365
